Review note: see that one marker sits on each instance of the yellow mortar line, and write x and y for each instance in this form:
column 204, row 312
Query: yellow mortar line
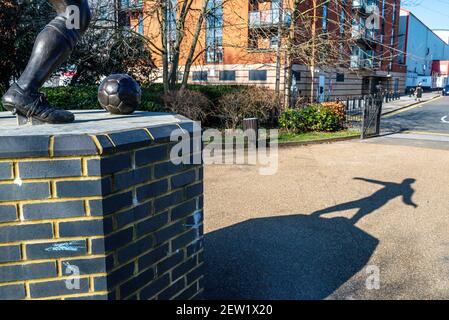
column 110, row 140
column 97, row 143
column 427, row 133
column 58, row 220
column 56, row 200
column 51, row 146
column 149, row 133
column 46, row 158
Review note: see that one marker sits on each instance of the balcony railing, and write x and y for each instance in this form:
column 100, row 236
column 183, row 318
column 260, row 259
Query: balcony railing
column 131, row 4
column 363, row 62
column 269, row 18
column 359, row 32
column 366, row 6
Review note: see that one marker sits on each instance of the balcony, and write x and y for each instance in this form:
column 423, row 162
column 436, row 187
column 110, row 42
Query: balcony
column 360, row 33
column 131, row 5
column 269, row 18
column 365, row 6
column 364, row 62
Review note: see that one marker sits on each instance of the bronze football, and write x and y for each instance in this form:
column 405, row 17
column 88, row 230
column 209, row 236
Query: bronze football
column 119, row 94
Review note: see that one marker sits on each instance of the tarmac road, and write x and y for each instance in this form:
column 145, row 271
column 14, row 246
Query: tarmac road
column 424, row 125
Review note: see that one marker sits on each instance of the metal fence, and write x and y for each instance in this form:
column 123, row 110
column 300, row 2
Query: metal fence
column 363, row 113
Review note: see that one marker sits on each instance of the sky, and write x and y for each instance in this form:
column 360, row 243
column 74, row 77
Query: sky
column 434, row 13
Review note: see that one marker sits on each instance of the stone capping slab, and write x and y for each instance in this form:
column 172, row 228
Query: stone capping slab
column 93, row 133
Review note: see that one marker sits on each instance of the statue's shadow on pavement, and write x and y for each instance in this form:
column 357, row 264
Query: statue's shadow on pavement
column 286, row 257
column 295, row 256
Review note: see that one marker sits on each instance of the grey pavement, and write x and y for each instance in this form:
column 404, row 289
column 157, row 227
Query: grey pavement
column 293, row 235
column 334, row 216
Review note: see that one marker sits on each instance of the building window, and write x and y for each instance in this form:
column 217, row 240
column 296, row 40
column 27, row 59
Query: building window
column 214, row 32
column 342, row 22
column 227, row 75
column 296, row 75
column 340, row 77
column 140, row 25
column 171, row 27
column 258, row 75
column 199, row 75
column 324, row 24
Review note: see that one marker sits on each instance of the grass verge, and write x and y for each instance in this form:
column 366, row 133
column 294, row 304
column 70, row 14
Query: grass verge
column 315, row 136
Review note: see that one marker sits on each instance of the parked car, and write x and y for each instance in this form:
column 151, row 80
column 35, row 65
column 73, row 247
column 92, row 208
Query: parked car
column 446, row 90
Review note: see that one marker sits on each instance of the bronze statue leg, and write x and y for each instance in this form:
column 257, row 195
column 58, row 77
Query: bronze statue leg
column 52, row 47
column 54, row 44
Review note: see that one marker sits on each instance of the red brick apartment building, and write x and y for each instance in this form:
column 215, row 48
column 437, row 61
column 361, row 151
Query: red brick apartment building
column 239, row 44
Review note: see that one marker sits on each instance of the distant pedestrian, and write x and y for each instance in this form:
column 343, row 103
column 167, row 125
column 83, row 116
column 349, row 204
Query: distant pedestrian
column 419, row 91
column 411, row 92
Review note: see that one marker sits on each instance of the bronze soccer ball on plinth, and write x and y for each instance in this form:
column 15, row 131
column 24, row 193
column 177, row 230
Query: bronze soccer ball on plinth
column 119, row 94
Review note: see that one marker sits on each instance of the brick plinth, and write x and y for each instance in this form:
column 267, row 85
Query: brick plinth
column 109, row 204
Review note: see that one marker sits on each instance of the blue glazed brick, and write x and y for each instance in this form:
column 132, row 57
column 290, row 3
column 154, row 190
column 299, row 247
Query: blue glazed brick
column 26, row 232
column 194, row 190
column 50, row 169
column 169, row 200
column 53, row 250
column 184, row 268
column 152, row 224
column 185, row 239
column 31, row 271
column 130, row 287
column 105, row 143
column 183, row 210
column 27, row 191
column 53, row 210
column 8, row 213
column 153, row 257
column 10, row 253
column 130, row 139
column 85, row 228
column 24, row 146
column 131, row 178
column 169, row 232
column 135, row 214
column 154, row 287
column 183, row 179
column 150, row 155
column 167, row 168
column 169, row 262
column 112, row 242
column 90, row 265
column 116, row 277
column 84, row 188
column 12, row 292
column 108, row 165
column 111, row 204
column 164, row 132
column 135, row 249
column 152, row 190
column 57, row 288
column 76, row 145
column 5, row 170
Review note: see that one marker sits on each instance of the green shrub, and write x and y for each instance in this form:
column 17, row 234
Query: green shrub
column 310, row 118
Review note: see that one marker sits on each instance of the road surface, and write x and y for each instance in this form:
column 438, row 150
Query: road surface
column 423, row 125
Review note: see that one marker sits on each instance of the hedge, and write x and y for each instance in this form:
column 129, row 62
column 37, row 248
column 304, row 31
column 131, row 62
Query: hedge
column 85, row 97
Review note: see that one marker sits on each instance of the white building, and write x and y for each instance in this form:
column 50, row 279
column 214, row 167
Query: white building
column 419, row 46
column 443, row 34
